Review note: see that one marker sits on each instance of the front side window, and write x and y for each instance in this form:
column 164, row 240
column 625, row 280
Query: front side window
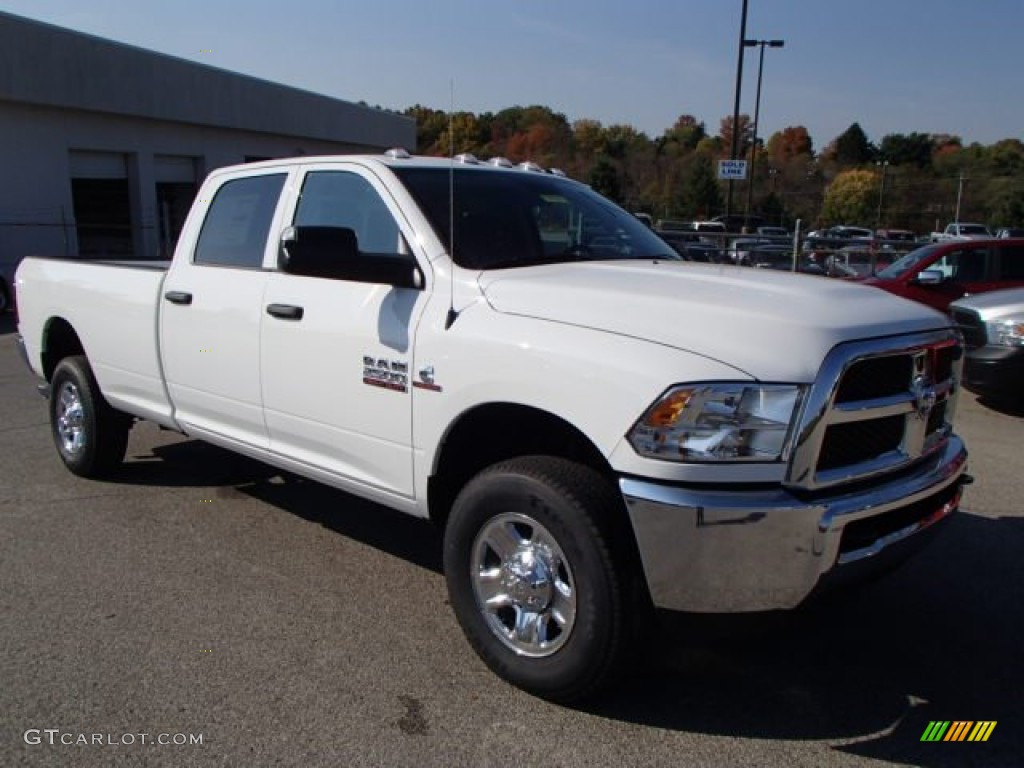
column 237, row 224
column 345, row 199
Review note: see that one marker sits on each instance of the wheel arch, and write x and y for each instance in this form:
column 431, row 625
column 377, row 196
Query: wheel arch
column 493, row 432
column 60, row 340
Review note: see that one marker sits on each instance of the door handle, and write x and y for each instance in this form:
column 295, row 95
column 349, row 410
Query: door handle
column 178, row 297
column 285, row 311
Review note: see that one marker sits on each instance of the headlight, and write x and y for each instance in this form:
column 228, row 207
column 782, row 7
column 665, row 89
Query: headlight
column 718, row 422
column 1007, row 331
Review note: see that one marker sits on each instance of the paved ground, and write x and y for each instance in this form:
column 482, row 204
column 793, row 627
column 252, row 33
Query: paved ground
column 201, row 594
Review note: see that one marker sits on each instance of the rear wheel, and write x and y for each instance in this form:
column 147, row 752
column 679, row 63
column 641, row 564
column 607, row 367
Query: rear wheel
column 540, row 584
column 90, row 436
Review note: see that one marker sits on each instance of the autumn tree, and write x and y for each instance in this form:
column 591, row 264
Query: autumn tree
column 430, row 123
column 529, row 133
column 461, row 134
column 588, row 138
column 851, row 198
column 744, row 137
column 788, row 144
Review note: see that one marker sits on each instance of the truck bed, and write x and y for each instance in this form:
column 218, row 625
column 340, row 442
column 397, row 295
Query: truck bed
column 113, row 308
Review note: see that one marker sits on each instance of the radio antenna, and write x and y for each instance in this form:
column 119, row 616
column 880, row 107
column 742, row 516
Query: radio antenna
column 452, row 314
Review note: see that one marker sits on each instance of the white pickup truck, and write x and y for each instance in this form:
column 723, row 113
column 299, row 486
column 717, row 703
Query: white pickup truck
column 598, row 427
column 961, row 230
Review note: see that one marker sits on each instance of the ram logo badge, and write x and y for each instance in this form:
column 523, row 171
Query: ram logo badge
column 387, row 374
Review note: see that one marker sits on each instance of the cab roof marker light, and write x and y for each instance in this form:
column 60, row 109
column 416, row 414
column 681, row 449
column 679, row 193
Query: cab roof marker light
column 467, row 158
column 500, row 162
column 398, row 153
column 531, row 166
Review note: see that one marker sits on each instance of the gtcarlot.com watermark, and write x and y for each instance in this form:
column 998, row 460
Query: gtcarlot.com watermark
column 55, row 737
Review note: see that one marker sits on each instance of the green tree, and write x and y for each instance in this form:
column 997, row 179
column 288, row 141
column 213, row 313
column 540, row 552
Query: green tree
column 604, row 178
column 851, row 198
column 914, row 149
column 1008, row 205
column 686, row 133
column 851, row 147
column 702, row 196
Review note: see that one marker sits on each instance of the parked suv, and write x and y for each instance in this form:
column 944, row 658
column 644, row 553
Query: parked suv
column 993, row 329
column 940, row 273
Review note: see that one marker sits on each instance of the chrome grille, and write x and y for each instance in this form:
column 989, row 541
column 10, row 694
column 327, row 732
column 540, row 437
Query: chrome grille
column 877, row 407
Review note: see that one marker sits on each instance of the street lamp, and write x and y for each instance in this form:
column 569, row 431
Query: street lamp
column 757, row 110
column 884, row 165
column 736, row 112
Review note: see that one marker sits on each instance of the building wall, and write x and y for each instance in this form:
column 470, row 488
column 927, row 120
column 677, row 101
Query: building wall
column 70, row 101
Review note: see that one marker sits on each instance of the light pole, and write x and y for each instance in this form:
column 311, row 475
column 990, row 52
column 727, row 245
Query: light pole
column 736, row 113
column 773, row 174
column 757, row 111
column 884, row 164
column 959, row 196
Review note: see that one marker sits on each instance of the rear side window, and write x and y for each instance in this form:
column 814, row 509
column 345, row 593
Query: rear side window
column 1012, row 262
column 237, row 224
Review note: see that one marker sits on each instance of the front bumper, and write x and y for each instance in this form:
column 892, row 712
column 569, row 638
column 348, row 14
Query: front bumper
column 995, row 370
column 737, row 550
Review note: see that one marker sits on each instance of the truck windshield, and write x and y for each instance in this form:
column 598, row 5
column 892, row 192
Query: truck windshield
column 507, row 219
column 908, row 262
column 973, row 229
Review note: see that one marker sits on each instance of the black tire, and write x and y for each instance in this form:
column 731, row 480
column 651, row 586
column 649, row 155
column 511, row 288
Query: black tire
column 541, row 539
column 5, row 297
column 90, row 436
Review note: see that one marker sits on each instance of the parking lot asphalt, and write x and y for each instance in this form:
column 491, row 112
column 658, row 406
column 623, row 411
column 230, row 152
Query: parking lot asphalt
column 203, row 596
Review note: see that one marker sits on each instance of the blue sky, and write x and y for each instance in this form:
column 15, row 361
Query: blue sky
column 933, row 66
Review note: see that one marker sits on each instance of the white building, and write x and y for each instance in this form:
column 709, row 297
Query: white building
column 103, row 145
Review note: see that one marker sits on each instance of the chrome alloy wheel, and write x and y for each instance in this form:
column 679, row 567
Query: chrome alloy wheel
column 70, row 418
column 523, row 585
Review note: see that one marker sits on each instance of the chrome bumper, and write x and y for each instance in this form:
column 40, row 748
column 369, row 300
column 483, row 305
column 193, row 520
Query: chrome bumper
column 736, row 550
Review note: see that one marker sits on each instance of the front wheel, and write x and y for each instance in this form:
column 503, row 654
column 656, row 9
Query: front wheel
column 541, row 585
column 90, row 436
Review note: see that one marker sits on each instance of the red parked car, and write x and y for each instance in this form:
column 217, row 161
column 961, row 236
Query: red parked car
column 940, row 273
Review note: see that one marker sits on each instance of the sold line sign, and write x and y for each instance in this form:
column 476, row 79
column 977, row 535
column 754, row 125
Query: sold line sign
column 732, row 169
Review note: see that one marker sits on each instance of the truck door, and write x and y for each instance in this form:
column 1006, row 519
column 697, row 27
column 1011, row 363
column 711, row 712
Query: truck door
column 336, row 355
column 211, row 311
